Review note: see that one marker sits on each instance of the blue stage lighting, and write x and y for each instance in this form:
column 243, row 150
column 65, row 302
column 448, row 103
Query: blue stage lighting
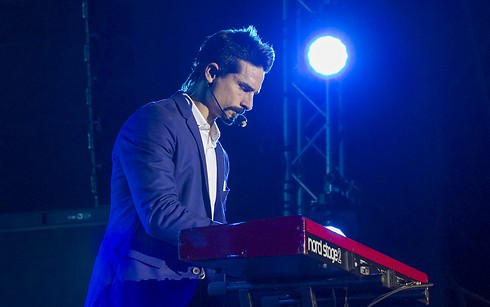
column 327, row 56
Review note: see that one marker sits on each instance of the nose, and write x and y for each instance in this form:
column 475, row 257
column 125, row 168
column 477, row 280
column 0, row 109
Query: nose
column 248, row 102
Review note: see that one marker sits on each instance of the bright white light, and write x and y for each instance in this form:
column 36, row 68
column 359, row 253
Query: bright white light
column 336, row 230
column 327, row 55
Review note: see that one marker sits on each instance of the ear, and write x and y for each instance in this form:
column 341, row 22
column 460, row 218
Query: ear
column 211, row 72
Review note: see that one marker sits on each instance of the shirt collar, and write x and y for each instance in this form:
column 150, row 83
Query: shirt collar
column 214, row 132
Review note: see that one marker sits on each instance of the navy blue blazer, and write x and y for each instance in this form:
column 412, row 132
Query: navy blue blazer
column 159, row 186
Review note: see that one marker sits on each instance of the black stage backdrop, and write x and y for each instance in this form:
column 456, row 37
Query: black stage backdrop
column 417, row 128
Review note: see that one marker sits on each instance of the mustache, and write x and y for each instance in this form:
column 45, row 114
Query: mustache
column 237, row 110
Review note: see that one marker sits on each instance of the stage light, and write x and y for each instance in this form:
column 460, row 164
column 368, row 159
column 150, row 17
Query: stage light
column 327, row 56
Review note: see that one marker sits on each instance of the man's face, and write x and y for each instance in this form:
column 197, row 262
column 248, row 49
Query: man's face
column 235, row 92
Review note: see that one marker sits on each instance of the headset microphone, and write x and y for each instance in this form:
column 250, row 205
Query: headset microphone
column 242, row 123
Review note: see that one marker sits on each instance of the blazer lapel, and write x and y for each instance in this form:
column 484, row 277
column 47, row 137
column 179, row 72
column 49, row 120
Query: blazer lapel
column 219, row 214
column 186, row 111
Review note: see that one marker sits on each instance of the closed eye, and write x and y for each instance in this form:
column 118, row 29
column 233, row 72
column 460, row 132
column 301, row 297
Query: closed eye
column 247, row 88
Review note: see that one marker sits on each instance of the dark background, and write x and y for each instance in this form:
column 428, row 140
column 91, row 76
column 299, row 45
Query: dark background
column 417, row 127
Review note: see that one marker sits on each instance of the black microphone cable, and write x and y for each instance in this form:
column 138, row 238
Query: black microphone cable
column 242, row 123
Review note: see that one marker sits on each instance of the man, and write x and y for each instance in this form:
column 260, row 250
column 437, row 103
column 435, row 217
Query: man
column 170, row 173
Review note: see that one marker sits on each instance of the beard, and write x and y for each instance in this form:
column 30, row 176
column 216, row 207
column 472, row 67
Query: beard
column 230, row 120
column 227, row 121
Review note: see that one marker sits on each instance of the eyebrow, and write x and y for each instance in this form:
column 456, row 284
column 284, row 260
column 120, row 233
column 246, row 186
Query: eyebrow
column 247, row 86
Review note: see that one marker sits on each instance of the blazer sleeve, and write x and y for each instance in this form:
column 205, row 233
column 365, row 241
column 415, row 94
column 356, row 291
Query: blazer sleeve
column 145, row 148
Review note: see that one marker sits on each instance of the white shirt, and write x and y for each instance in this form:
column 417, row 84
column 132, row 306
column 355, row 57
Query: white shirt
column 209, row 137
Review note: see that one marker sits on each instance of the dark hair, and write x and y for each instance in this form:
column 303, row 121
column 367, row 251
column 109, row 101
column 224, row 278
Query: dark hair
column 226, row 47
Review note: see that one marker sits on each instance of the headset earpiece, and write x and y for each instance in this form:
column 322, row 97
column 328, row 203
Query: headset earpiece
column 213, row 71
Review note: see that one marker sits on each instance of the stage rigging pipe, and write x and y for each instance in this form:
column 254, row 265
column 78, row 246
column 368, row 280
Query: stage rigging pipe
column 288, row 147
column 88, row 101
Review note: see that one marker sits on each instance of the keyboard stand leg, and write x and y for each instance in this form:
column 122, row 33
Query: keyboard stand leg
column 308, row 297
column 245, row 298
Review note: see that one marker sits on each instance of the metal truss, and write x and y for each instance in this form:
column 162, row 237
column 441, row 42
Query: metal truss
column 314, row 183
